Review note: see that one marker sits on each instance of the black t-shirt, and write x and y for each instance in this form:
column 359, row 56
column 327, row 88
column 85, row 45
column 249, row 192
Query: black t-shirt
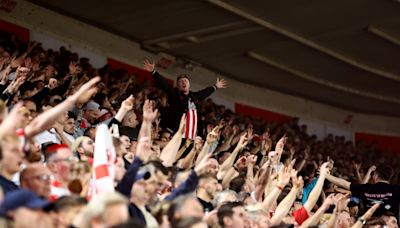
column 207, row 206
column 386, row 194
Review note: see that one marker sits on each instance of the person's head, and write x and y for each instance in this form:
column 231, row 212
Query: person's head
column 390, row 220
column 225, row 196
column 83, row 147
column 31, row 106
column 343, row 219
column 151, row 178
column 185, row 207
column 67, row 207
column 26, row 117
column 105, row 210
column 12, row 154
column 125, row 143
column 69, row 125
column 22, row 198
column 90, row 132
column 238, row 183
column 91, row 111
column 130, row 119
column 59, row 161
column 382, row 173
column 190, row 222
column 208, row 185
column 37, row 178
column 232, row 214
column 213, row 167
column 183, row 84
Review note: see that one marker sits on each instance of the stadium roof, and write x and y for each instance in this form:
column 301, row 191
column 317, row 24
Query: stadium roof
column 338, row 52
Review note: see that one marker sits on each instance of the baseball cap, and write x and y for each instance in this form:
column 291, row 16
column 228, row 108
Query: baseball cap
column 22, row 198
column 91, row 105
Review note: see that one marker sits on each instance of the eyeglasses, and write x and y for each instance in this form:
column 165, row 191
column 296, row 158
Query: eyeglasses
column 43, row 177
column 70, row 159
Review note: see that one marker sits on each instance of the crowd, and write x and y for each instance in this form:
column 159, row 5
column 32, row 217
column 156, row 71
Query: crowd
column 171, row 157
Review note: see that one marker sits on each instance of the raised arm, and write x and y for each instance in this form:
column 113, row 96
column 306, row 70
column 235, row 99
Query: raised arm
column 126, row 106
column 314, row 219
column 49, row 117
column 284, row 206
column 212, row 137
column 368, row 175
column 150, row 67
column 365, row 217
column 338, row 181
column 149, row 115
column 316, row 192
column 283, row 180
column 168, row 154
column 228, row 163
column 204, row 93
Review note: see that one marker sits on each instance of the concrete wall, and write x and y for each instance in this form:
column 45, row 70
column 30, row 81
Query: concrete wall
column 97, row 44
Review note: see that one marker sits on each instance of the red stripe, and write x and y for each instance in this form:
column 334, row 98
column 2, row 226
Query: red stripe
column 187, row 124
column 194, row 124
column 101, row 171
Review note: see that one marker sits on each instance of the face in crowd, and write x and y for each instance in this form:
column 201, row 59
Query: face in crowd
column 183, row 84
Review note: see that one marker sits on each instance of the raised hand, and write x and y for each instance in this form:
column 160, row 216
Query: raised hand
column 242, row 141
column 148, row 66
column 284, row 176
column 328, row 201
column 203, row 165
column 148, row 113
column 372, row 169
column 251, row 160
column 221, row 83
column 325, row 169
column 198, row 143
column 213, row 136
column 85, row 92
column 281, row 144
column 297, row 181
column 128, row 103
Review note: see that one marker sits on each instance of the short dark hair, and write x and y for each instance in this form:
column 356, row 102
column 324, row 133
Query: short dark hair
column 65, row 202
column 226, row 210
column 384, row 172
column 182, row 76
column 237, row 183
column 158, row 166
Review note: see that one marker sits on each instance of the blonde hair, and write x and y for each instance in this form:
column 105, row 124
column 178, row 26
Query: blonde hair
column 98, row 205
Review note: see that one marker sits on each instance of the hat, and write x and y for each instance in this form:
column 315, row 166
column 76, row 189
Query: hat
column 142, row 175
column 91, row 105
column 22, row 198
column 354, row 201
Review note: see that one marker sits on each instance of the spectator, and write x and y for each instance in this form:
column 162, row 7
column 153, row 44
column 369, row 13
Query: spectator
column 37, row 178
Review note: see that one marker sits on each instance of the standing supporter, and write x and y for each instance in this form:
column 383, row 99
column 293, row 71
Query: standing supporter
column 182, row 100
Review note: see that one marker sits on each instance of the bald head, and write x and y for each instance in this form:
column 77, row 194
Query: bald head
column 36, row 177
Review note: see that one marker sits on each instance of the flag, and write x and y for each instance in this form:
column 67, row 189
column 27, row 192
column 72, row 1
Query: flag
column 191, row 124
column 103, row 162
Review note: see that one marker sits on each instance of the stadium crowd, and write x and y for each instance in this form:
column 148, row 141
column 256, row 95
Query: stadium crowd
column 86, row 147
